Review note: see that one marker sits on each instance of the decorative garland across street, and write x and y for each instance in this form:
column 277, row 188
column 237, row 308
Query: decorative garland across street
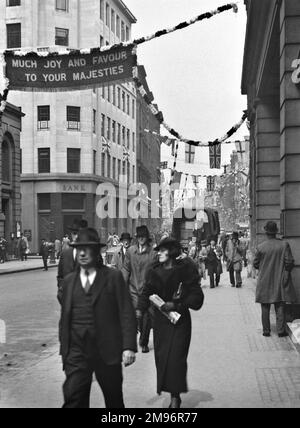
column 159, row 116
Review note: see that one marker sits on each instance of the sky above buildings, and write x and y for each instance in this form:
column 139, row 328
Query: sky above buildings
column 194, row 73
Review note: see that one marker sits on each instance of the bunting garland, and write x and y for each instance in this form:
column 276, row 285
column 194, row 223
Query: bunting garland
column 159, row 116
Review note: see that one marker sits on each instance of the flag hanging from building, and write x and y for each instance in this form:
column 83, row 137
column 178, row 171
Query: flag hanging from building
column 215, row 157
column 189, row 153
column 164, row 165
column 210, row 183
column 105, row 145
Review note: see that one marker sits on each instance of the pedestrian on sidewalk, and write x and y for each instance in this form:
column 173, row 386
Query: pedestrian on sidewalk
column 177, row 282
column 203, row 259
column 97, row 327
column 275, row 262
column 3, row 249
column 234, row 255
column 44, row 252
column 214, row 264
column 57, row 247
column 23, row 247
column 119, row 256
column 137, row 260
column 68, row 261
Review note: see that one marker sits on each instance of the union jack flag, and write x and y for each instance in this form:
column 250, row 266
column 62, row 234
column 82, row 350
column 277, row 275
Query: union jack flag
column 215, row 157
column 210, row 183
column 105, row 145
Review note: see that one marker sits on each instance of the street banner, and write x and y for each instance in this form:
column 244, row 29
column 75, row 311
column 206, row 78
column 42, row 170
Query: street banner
column 36, row 71
column 215, row 156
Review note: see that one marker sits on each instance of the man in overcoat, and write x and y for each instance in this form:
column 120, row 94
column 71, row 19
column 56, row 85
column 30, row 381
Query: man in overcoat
column 44, row 253
column 67, row 261
column 119, row 256
column 97, row 327
column 137, row 261
column 275, row 262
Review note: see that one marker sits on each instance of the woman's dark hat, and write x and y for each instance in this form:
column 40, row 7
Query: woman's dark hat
column 125, row 237
column 87, row 238
column 168, row 243
column 203, row 243
column 235, row 235
column 271, row 228
column 142, row 232
column 77, row 225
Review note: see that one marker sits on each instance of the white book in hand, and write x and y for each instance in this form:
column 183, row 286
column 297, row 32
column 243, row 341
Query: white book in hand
column 158, row 302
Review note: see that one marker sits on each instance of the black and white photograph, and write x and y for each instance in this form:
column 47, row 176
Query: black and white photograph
column 149, row 206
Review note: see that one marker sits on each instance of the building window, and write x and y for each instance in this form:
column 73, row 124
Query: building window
column 118, row 26
column 6, row 162
column 108, row 165
column 94, row 121
column 107, row 19
column 128, row 139
column 122, row 32
column 133, row 141
column 119, row 98
column 101, row 41
column 127, row 34
column 102, row 125
column 21, row 162
column 44, row 201
column 114, row 168
column 61, row 5
column 119, row 168
column 102, row 2
column 73, row 161
column 103, row 164
column 123, row 135
column 133, row 109
column 108, row 128
column 124, row 168
column 114, row 131
column 114, row 95
column 61, row 36
column 73, row 117
column 94, row 161
column 74, row 202
column 43, row 117
column 44, row 160
column 123, row 101
column 119, row 134
column 133, row 173
column 13, row 33
column 113, row 21
column 128, row 105
column 108, row 94
column 128, row 170
column 13, row 3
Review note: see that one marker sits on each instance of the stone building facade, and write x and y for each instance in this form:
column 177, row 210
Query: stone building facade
column 271, row 82
column 10, row 202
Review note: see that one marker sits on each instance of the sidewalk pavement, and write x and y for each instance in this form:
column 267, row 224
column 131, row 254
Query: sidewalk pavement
column 15, row 266
column 231, row 365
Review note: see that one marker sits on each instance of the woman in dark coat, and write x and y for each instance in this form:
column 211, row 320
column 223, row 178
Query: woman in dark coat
column 177, row 282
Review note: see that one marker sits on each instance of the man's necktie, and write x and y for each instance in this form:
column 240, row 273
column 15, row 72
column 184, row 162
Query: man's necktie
column 87, row 284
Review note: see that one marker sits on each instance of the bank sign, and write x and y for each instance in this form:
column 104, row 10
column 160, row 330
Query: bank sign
column 71, row 71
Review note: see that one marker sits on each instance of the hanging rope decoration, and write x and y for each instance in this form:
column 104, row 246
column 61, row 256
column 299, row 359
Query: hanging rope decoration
column 159, row 116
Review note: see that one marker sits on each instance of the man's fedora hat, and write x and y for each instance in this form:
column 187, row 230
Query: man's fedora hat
column 125, row 237
column 271, row 228
column 235, row 235
column 77, row 225
column 142, row 232
column 168, row 243
column 87, row 238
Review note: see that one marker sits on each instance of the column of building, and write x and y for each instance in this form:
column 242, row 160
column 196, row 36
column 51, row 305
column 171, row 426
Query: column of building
column 267, row 164
column 290, row 130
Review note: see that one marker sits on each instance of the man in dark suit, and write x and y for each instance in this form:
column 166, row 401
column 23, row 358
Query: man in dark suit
column 67, row 261
column 44, row 252
column 97, row 327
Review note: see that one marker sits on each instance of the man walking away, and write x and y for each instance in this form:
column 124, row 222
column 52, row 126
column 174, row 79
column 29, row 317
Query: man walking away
column 23, row 248
column 97, row 327
column 275, row 262
column 137, row 261
column 44, row 252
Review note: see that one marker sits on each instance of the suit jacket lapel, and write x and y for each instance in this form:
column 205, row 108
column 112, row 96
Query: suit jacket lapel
column 99, row 284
